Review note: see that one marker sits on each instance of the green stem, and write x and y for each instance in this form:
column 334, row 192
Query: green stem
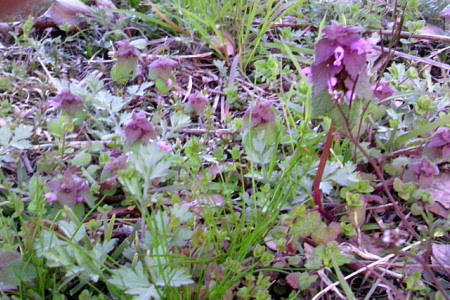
column 347, row 290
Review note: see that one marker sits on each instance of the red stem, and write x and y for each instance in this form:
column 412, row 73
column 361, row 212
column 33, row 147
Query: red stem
column 317, row 195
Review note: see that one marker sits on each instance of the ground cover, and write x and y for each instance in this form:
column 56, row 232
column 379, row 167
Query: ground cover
column 225, row 150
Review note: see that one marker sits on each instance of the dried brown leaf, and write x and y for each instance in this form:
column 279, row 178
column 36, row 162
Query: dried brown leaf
column 67, row 12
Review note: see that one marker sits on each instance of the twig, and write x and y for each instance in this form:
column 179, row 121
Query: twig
column 205, row 131
column 418, row 59
column 407, row 35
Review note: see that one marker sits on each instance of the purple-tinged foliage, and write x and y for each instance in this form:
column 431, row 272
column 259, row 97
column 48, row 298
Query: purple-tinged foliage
column 67, row 101
column 68, row 190
column 424, row 171
column 163, row 67
column 139, row 129
column 197, row 102
column 259, row 113
column 340, row 64
column 383, row 90
column 439, row 145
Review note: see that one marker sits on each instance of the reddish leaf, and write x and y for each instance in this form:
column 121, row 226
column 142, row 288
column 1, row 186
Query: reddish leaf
column 292, row 280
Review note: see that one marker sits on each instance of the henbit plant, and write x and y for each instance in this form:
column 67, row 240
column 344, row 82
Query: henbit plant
column 341, row 87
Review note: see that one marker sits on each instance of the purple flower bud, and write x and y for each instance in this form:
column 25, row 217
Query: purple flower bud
column 197, row 102
column 163, row 67
column 126, row 50
column 67, row 101
column 383, row 90
column 68, row 190
column 139, row 129
column 259, row 113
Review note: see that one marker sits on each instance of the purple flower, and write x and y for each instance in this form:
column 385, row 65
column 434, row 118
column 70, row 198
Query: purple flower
column 115, row 164
column 162, row 68
column 126, row 50
column 68, row 190
column 259, row 113
column 440, row 141
column 340, row 63
column 197, row 102
column 67, row 101
column 424, row 171
column 307, row 73
column 383, row 90
column 139, row 129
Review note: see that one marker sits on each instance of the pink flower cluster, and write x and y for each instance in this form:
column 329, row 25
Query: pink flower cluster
column 68, row 190
column 340, row 64
column 139, row 129
column 259, row 113
column 67, row 101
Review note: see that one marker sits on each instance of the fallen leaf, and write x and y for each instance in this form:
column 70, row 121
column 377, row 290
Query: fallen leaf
column 66, row 12
column 432, row 30
column 108, row 4
column 440, row 189
column 441, row 255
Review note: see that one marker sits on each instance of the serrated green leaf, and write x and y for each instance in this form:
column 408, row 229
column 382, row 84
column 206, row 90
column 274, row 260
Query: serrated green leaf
column 144, row 293
column 130, row 279
column 346, row 175
column 181, row 212
column 23, row 132
column 173, row 278
column 72, row 231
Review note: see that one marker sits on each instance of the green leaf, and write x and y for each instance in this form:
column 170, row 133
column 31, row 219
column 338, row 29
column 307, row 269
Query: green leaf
column 5, row 136
column 181, row 212
column 162, row 86
column 305, row 280
column 181, row 237
column 144, row 293
column 124, row 70
column 310, row 223
column 174, row 278
column 81, row 159
column 321, row 105
column 21, row 134
column 73, row 231
column 346, row 175
column 133, row 280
